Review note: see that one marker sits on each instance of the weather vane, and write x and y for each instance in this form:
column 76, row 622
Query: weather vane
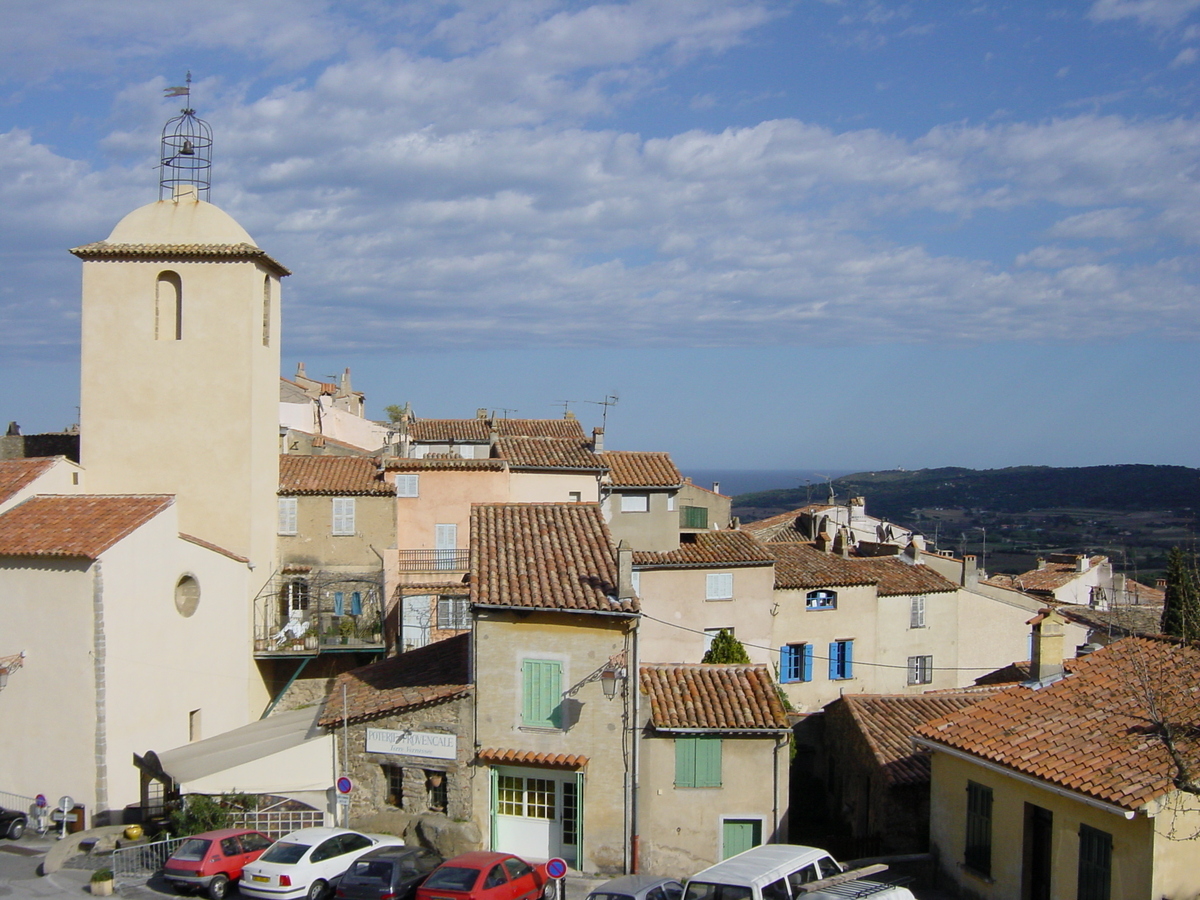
column 186, row 157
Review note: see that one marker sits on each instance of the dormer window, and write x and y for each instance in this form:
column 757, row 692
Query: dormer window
column 821, row 600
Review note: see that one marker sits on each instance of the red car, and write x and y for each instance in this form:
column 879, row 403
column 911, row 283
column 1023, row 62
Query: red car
column 210, row 861
column 484, row 875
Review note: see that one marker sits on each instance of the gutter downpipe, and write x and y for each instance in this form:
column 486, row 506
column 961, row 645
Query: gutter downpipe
column 632, row 684
column 99, row 674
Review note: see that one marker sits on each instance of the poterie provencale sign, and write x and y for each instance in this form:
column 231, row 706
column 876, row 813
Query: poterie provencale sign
column 412, row 743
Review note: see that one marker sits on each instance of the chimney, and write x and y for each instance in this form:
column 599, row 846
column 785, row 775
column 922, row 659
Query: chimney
column 970, row 572
column 1047, row 662
column 481, row 413
column 1041, row 563
column 841, row 543
column 1083, row 563
column 1160, row 583
column 716, row 487
column 823, row 542
column 624, row 571
column 567, row 414
column 597, row 440
column 913, row 552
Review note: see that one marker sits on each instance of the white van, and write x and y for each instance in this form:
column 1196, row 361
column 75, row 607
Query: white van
column 787, row 872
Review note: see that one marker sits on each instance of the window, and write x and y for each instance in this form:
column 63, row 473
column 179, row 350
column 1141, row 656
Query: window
column 194, row 725
column 287, row 515
column 266, row 330
column 168, row 307
column 978, row 854
column 841, row 660
column 541, row 692
column 636, row 580
column 920, row 669
column 540, row 800
column 343, row 515
column 670, row 503
column 718, row 586
column 1095, row 863
column 820, row 600
column 916, row 613
column 575, row 496
column 445, row 540
column 693, row 517
column 570, row 813
column 295, row 596
column 453, row 613
column 435, row 790
column 697, row 762
column 407, row 485
column 495, row 878
column 187, row 595
column 636, row 503
column 395, row 785
column 510, row 795
column 710, row 633
column 795, row 663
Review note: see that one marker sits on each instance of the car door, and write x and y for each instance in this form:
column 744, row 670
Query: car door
column 231, row 865
column 325, row 859
column 496, row 885
column 523, row 879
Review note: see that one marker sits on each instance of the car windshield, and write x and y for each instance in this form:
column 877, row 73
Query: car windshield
column 192, row 849
column 453, row 878
column 371, row 870
column 284, row 852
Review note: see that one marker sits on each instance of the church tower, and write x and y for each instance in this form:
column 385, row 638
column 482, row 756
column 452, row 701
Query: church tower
column 180, row 357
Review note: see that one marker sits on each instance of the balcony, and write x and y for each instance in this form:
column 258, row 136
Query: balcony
column 693, row 517
column 305, row 613
column 434, row 560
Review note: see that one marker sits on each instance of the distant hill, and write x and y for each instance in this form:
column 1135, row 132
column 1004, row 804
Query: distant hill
column 895, row 495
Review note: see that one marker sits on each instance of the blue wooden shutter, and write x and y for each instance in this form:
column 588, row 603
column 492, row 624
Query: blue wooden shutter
column 833, row 660
column 806, row 663
column 848, row 659
column 339, row 603
column 788, row 664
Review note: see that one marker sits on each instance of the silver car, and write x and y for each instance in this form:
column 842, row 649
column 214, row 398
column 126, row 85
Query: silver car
column 638, row 887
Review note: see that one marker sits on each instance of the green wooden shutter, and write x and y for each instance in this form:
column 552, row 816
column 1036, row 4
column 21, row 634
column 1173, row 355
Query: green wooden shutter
column 685, row 762
column 708, row 762
column 541, row 692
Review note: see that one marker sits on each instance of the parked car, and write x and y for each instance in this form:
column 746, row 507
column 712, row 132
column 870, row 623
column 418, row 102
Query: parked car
column 485, row 875
column 788, row 872
column 212, row 860
column 12, row 823
column 306, row 862
column 388, row 873
column 638, row 887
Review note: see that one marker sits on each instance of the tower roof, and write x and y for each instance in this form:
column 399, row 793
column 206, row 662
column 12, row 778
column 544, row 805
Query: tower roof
column 184, row 220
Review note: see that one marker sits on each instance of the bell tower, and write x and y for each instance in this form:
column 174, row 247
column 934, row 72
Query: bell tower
column 180, row 356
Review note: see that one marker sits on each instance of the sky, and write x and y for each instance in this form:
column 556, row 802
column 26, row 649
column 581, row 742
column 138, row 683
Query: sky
column 785, row 235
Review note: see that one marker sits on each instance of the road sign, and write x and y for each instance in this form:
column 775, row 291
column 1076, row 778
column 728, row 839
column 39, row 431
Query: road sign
column 556, row 868
column 344, row 785
column 65, row 802
column 41, row 801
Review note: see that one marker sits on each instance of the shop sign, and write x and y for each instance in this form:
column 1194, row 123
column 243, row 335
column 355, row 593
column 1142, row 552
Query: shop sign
column 412, row 743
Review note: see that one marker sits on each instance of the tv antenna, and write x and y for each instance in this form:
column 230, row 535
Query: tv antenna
column 609, row 400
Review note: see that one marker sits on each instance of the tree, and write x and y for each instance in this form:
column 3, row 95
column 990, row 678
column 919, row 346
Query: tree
column 726, row 649
column 1181, row 603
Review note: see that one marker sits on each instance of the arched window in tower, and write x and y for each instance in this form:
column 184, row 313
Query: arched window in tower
column 168, row 307
column 266, row 311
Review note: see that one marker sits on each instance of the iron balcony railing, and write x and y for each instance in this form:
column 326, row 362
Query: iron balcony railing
column 434, row 560
column 312, row 611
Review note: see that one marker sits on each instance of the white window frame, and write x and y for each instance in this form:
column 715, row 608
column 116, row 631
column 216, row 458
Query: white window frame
column 670, row 503
column 343, row 516
column 408, row 485
column 916, row 612
column 635, row 503
column 635, row 579
column 920, row 669
column 711, row 633
column 287, row 521
column 718, row 586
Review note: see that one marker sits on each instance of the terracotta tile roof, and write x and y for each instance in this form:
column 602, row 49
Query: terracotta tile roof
column 200, row 542
column 1045, row 580
column 635, row 469
column 340, row 475
column 1090, row 732
column 1116, row 621
column 445, row 588
column 544, row 556
column 547, row 453
column 707, row 548
column 445, row 465
column 713, row 697
column 429, row 674
column 781, row 527
column 461, row 430
column 80, row 525
column 103, row 250
column 567, row 429
column 530, row 758
column 803, row 566
column 887, row 724
column 324, row 440
column 17, row 474
column 896, row 578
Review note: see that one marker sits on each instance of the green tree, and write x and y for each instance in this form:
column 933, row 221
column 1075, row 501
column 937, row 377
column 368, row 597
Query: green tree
column 726, row 649
column 1181, row 603
column 396, row 413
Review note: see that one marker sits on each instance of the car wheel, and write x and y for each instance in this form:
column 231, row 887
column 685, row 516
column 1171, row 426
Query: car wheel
column 16, row 829
column 316, row 890
column 550, row 890
column 218, row 887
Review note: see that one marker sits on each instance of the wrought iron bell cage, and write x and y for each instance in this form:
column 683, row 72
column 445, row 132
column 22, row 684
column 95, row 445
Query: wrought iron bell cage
column 186, row 155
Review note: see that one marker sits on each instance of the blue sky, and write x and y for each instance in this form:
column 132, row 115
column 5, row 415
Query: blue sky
column 850, row 235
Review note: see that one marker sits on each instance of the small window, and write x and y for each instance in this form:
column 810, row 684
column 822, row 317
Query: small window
column 978, row 855
column 670, row 503
column 710, row 633
column 795, row 663
column 287, row 515
column 187, row 596
column 718, row 586
column 841, row 660
column 697, row 762
column 916, row 613
column 435, row 790
column 635, row 503
column 1095, row 864
column 920, row 669
column 575, row 496
column 395, row 785
column 407, row 485
column 343, row 515
column 168, row 307
column 194, row 725
column 453, row 613
column 820, row 600
column 636, row 580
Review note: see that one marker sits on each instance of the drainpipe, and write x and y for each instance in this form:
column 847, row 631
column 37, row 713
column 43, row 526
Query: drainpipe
column 633, row 689
column 99, row 665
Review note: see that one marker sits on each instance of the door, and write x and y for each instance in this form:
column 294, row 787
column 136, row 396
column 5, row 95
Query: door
column 535, row 813
column 445, row 542
column 738, row 835
column 1035, row 868
column 415, row 615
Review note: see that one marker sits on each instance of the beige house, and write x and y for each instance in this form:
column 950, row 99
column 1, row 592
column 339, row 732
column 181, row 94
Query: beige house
column 639, row 499
column 21, row 479
column 1067, row 786
column 1066, row 578
column 713, row 765
column 554, row 629
column 86, row 579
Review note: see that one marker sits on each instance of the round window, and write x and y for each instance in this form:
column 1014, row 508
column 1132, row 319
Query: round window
column 187, row 595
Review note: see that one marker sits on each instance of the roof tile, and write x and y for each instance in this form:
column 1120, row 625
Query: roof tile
column 78, row 525
column 636, row 469
column 16, row 474
column 707, row 548
column 715, row 697
column 548, row 453
column 340, row 475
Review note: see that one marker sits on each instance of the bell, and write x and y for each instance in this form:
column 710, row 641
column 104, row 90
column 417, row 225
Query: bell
column 187, row 149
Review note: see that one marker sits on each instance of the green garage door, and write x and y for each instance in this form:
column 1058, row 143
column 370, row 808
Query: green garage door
column 738, row 835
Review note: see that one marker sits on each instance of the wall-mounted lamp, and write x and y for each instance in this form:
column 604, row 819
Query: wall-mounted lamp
column 8, row 665
column 608, row 682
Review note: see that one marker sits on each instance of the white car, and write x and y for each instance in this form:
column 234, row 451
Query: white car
column 306, row 862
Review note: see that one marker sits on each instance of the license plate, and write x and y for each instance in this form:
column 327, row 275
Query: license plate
column 265, row 879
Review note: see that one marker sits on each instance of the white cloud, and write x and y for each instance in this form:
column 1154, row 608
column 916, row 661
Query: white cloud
column 1156, row 13
column 1186, row 57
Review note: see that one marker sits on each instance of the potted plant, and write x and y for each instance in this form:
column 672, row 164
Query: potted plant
column 310, row 638
column 102, row 882
column 346, row 629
